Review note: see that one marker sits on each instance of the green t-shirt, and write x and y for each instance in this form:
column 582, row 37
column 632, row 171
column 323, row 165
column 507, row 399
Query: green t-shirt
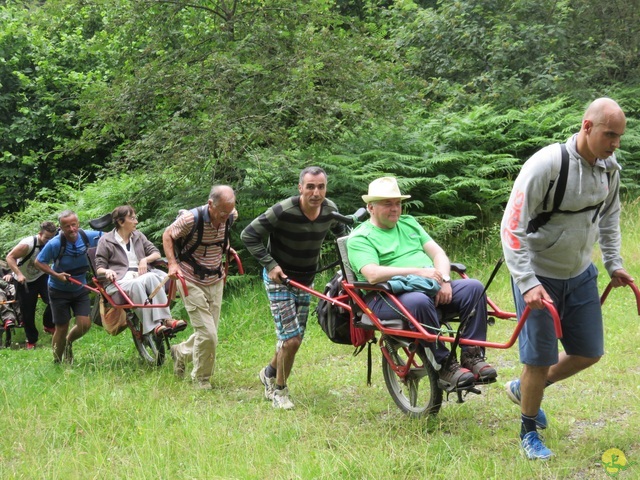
column 400, row 246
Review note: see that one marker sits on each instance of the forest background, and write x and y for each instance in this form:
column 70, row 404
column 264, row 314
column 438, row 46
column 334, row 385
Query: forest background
column 106, row 102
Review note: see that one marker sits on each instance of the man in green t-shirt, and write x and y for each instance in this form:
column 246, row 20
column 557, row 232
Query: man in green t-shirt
column 390, row 244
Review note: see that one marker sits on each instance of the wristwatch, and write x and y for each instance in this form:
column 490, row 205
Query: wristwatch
column 446, row 279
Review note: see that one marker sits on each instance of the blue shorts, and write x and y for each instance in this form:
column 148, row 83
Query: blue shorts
column 62, row 303
column 289, row 307
column 578, row 303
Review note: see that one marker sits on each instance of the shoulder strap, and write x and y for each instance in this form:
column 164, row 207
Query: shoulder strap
column 562, row 178
column 544, row 217
column 63, row 247
column 63, row 244
column 24, row 259
column 198, row 226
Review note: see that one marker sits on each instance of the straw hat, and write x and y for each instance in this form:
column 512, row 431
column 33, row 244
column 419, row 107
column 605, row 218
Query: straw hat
column 383, row 188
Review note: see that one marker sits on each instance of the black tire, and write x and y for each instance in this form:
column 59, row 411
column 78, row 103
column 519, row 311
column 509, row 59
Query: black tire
column 418, row 395
column 94, row 314
column 151, row 349
column 7, row 342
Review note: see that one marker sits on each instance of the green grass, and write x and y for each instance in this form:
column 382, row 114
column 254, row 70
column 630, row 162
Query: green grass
column 110, row 417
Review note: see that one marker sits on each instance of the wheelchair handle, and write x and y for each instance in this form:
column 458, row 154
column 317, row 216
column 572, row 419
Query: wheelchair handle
column 352, row 219
column 634, row 289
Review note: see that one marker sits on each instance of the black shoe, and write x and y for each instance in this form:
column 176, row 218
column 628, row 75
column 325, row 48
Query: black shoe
column 454, row 377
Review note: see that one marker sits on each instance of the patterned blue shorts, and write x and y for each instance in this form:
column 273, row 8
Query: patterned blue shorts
column 289, row 307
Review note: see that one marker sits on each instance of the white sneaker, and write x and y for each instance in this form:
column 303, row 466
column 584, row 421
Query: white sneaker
column 268, row 382
column 281, row 399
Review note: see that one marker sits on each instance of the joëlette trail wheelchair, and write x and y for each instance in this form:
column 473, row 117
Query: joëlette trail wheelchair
column 10, row 315
column 409, row 369
column 116, row 313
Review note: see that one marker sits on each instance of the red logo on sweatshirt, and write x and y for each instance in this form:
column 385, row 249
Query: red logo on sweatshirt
column 514, row 219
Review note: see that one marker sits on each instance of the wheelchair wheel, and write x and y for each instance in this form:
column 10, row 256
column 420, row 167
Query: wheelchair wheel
column 7, row 342
column 418, row 394
column 94, row 314
column 151, row 350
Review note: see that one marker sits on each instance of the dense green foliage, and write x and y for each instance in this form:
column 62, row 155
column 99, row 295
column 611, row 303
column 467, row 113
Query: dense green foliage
column 104, row 102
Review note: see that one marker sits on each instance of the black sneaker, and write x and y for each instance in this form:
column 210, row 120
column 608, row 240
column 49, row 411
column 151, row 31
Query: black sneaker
column 473, row 360
column 455, row 377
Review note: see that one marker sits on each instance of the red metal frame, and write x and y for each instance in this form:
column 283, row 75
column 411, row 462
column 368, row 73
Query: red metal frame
column 99, row 289
column 634, row 288
column 420, row 332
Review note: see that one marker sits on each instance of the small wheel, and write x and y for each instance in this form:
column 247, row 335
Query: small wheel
column 418, row 394
column 7, row 334
column 150, row 348
column 94, row 314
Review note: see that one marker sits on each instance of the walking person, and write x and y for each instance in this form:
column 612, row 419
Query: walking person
column 31, row 282
column 195, row 245
column 65, row 256
column 294, row 230
column 548, row 251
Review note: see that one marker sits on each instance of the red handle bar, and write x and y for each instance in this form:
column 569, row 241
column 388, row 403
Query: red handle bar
column 634, row 288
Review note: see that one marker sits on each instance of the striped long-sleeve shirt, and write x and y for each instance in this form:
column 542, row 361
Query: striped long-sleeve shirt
column 293, row 241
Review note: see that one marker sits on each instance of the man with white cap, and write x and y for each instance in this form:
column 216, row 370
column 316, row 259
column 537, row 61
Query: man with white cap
column 390, row 244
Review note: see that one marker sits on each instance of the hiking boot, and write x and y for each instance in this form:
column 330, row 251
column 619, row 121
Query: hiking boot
column 30, row 346
column 454, row 377
column 281, row 399
column 67, row 357
column 268, row 382
column 534, row 448
column 179, row 366
column 473, row 360
column 49, row 330
column 513, row 392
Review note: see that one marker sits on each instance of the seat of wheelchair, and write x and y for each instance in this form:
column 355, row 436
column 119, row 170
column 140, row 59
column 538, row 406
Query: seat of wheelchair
column 362, row 319
column 365, row 322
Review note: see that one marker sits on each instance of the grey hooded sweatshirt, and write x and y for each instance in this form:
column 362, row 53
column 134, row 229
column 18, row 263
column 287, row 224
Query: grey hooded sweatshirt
column 562, row 248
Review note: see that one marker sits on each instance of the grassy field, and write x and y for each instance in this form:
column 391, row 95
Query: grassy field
column 110, row 417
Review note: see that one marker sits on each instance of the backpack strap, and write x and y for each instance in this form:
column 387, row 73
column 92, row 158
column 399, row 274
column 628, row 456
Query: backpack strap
column 186, row 254
column 198, row 226
column 544, row 217
column 562, row 178
column 63, row 246
column 26, row 258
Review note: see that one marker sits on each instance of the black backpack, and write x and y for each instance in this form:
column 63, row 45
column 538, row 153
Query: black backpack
column 334, row 320
column 185, row 253
column 544, row 217
column 63, row 248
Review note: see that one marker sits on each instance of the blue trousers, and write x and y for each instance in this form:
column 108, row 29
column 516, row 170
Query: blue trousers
column 468, row 300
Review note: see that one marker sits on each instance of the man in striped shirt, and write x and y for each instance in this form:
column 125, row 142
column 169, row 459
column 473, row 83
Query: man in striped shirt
column 295, row 229
column 194, row 246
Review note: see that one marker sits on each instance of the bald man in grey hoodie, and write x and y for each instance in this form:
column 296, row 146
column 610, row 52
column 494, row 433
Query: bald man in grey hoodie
column 552, row 262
